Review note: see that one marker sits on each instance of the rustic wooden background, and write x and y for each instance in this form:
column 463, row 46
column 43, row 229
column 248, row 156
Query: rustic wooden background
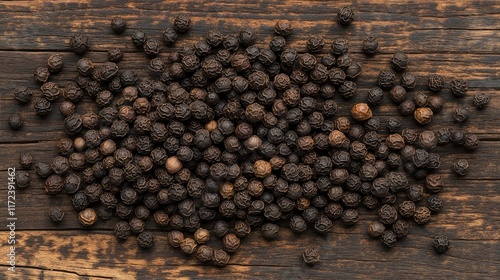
column 457, row 39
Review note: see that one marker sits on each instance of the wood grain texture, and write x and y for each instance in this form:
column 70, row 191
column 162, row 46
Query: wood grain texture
column 457, row 39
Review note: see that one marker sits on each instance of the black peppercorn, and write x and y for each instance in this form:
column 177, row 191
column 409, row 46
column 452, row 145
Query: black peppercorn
column 15, row 121
column 441, row 243
column 41, row 75
column 55, row 63
column 480, row 100
column 23, row 94
column 460, row 167
column 376, row 229
column 118, row 25
column 386, row 79
column 22, row 179
column 387, row 214
column 459, row 87
column 56, row 214
column 220, row 257
column 145, row 239
column 349, row 216
column 42, row 107
column 397, row 94
column 422, row 215
column 345, row 16
column 138, row 38
column 388, row 238
column 79, row 44
column 399, row 61
column 310, row 256
column 461, row 114
column 370, row 45
column 436, row 83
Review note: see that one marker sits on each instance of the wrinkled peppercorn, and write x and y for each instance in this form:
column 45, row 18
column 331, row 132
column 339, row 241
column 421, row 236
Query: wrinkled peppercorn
column 399, row 61
column 145, row 239
column 459, row 87
column 480, row 100
column 79, row 44
column 441, row 243
column 118, row 25
column 345, row 16
column 370, row 45
column 461, row 114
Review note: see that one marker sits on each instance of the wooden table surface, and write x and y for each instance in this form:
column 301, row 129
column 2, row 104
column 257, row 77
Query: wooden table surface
column 457, row 39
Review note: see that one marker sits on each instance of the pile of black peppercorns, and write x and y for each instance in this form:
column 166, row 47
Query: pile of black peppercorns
column 231, row 136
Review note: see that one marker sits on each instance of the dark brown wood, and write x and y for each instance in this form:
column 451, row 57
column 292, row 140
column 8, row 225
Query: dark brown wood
column 457, row 39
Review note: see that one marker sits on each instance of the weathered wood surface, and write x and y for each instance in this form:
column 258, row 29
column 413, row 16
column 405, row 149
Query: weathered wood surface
column 451, row 38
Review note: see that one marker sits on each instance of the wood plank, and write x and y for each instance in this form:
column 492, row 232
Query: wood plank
column 457, row 39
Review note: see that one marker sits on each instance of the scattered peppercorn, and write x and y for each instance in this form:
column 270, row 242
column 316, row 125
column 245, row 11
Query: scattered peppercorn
column 56, row 214
column 345, row 16
column 310, row 256
column 460, row 167
column 118, row 25
column 441, row 243
column 15, row 121
column 79, row 44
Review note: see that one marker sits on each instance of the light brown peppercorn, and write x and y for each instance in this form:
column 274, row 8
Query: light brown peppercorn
column 87, row 216
column 211, row 125
column 423, row 115
column 227, row 190
column 361, row 112
column 173, row 165
column 188, row 246
column 262, row 168
column 337, row 139
column 201, row 236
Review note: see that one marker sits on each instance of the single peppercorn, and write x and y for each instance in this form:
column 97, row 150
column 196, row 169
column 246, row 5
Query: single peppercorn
column 310, row 256
column 459, row 87
column 79, row 44
column 118, row 25
column 436, row 83
column 460, row 167
column 422, row 215
column 345, row 16
column 375, row 96
column 41, row 75
column 461, row 114
column 408, row 80
column 55, row 63
column 376, row 229
column 423, row 115
column 361, row 112
column 370, row 45
column 87, row 216
column 23, row 94
column 386, row 79
column 15, row 121
column 480, row 100
column 220, row 257
column 22, row 179
column 42, row 107
column 145, row 239
column 441, row 243
column 399, row 61
column 182, row 23
column 56, row 214
column 388, row 238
